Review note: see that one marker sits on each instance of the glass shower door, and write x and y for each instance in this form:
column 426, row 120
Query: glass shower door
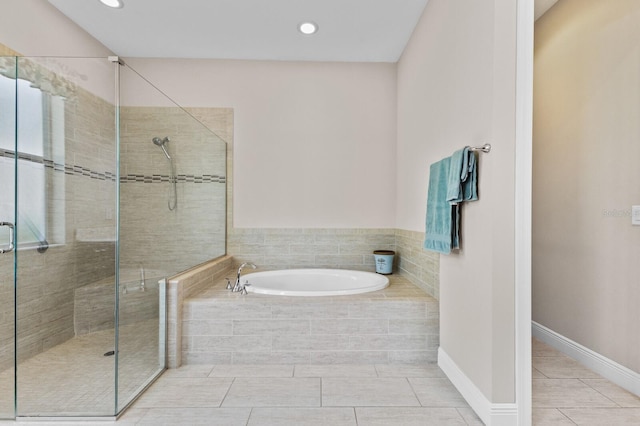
column 7, row 236
column 82, row 313
column 66, row 222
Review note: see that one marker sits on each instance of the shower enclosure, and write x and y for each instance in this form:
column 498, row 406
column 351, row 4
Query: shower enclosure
column 94, row 220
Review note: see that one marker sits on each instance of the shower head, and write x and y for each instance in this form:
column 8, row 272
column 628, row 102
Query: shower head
column 161, row 143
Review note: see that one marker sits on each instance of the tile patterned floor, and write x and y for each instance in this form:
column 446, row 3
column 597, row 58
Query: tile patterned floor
column 566, row 393
column 262, row 395
column 259, row 395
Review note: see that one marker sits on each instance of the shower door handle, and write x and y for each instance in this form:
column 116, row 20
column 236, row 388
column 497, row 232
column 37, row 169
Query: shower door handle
column 12, row 239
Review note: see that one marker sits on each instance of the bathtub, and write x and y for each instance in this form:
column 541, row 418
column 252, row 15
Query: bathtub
column 314, row 282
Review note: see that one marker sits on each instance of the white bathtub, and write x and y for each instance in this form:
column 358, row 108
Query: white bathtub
column 314, row 282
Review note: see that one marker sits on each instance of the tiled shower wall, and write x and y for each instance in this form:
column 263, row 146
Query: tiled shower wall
column 80, row 181
column 151, row 234
column 336, row 248
column 81, row 189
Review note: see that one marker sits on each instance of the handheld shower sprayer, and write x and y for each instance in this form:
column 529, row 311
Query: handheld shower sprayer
column 173, row 192
column 161, row 143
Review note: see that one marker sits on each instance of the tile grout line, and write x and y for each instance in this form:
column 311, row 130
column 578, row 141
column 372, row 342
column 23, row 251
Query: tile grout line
column 545, row 376
column 227, row 392
column 566, row 415
column 460, row 414
column 249, row 418
column 605, row 396
column 414, row 392
column 211, row 371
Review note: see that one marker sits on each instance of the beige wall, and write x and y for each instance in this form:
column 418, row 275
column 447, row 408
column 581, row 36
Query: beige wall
column 456, row 87
column 36, row 28
column 314, row 142
column 586, row 150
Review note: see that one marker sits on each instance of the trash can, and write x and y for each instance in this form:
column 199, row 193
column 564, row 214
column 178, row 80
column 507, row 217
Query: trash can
column 384, row 261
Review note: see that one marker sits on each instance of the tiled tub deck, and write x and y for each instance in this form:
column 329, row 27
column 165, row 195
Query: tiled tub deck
column 397, row 325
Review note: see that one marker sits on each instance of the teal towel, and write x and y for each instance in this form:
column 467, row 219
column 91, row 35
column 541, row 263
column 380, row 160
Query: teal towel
column 452, row 181
column 463, row 177
column 439, row 210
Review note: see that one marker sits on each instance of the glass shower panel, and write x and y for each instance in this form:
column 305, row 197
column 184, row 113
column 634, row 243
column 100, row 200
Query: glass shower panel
column 114, row 194
column 145, row 185
column 7, row 219
column 66, row 226
column 172, row 216
column 158, row 229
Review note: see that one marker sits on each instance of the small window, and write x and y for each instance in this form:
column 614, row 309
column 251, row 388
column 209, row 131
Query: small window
column 33, row 110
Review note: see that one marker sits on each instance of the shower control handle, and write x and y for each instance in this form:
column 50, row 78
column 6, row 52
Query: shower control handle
column 12, row 239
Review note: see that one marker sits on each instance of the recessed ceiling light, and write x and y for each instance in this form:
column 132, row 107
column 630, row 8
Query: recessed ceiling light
column 117, row 4
column 308, row 28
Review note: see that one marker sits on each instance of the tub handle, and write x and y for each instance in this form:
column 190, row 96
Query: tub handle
column 229, row 285
column 244, row 288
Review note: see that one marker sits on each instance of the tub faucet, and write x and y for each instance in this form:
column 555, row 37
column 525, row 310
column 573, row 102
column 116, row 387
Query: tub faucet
column 238, row 286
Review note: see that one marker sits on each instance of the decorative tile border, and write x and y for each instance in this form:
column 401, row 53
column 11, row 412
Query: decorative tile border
column 68, row 169
column 77, row 170
column 167, row 178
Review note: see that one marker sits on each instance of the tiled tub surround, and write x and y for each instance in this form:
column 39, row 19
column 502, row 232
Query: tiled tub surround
column 290, row 248
column 397, row 325
column 336, row 248
column 420, row 266
column 183, row 286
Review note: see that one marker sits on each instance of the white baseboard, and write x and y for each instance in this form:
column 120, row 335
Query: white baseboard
column 491, row 414
column 611, row 370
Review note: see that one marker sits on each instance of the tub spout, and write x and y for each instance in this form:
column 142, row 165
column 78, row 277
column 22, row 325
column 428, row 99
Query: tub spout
column 238, row 286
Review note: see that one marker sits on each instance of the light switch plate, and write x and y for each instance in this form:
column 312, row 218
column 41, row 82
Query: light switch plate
column 635, row 215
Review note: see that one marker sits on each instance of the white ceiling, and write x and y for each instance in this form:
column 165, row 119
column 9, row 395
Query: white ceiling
column 350, row 30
